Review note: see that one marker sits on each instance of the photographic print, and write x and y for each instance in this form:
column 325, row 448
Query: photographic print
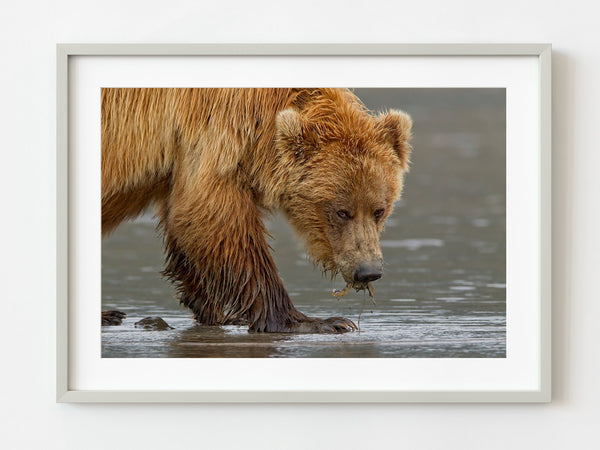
column 303, row 223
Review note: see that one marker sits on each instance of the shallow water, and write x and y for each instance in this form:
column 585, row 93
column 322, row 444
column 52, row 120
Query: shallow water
column 443, row 294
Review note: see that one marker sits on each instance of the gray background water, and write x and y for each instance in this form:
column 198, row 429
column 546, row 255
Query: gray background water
column 443, row 294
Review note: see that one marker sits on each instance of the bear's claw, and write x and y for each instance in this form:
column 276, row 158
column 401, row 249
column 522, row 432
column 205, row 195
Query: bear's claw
column 332, row 325
column 112, row 318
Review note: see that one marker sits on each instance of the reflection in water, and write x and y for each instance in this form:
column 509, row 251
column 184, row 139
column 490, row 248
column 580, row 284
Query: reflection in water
column 443, row 294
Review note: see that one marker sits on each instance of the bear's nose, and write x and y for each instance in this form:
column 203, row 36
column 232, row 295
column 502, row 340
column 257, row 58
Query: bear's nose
column 368, row 272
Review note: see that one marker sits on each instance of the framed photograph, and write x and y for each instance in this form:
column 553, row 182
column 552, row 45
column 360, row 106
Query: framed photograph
column 303, row 223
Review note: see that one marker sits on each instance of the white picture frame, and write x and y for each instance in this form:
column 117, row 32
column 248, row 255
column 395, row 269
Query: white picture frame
column 537, row 391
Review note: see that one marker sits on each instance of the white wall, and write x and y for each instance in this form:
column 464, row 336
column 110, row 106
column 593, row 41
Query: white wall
column 29, row 416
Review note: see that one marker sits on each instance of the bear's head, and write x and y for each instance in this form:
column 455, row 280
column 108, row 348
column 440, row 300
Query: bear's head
column 344, row 171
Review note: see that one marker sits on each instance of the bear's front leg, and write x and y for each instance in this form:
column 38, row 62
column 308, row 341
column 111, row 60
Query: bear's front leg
column 219, row 259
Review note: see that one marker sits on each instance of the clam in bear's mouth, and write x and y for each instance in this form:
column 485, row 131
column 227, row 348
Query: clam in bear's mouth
column 358, row 286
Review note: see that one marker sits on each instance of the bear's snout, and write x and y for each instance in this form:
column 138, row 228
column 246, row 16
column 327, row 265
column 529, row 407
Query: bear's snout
column 368, row 272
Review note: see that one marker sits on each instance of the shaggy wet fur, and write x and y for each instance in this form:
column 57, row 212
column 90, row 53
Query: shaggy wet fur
column 212, row 161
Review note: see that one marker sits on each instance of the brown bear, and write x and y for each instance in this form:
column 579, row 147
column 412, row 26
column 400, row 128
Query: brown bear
column 214, row 161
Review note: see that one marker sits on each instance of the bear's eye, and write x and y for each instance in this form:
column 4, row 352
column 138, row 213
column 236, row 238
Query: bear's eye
column 343, row 214
column 379, row 213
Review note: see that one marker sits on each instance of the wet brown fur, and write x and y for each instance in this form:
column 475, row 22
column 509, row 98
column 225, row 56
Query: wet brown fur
column 212, row 161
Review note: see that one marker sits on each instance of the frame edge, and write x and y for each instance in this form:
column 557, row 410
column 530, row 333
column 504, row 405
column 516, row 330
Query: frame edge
column 62, row 222
column 295, row 49
column 314, row 397
column 545, row 117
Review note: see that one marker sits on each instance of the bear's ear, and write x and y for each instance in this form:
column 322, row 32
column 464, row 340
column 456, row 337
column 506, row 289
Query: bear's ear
column 395, row 127
column 293, row 134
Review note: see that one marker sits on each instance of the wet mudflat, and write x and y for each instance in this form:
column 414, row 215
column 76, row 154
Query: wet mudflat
column 443, row 294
